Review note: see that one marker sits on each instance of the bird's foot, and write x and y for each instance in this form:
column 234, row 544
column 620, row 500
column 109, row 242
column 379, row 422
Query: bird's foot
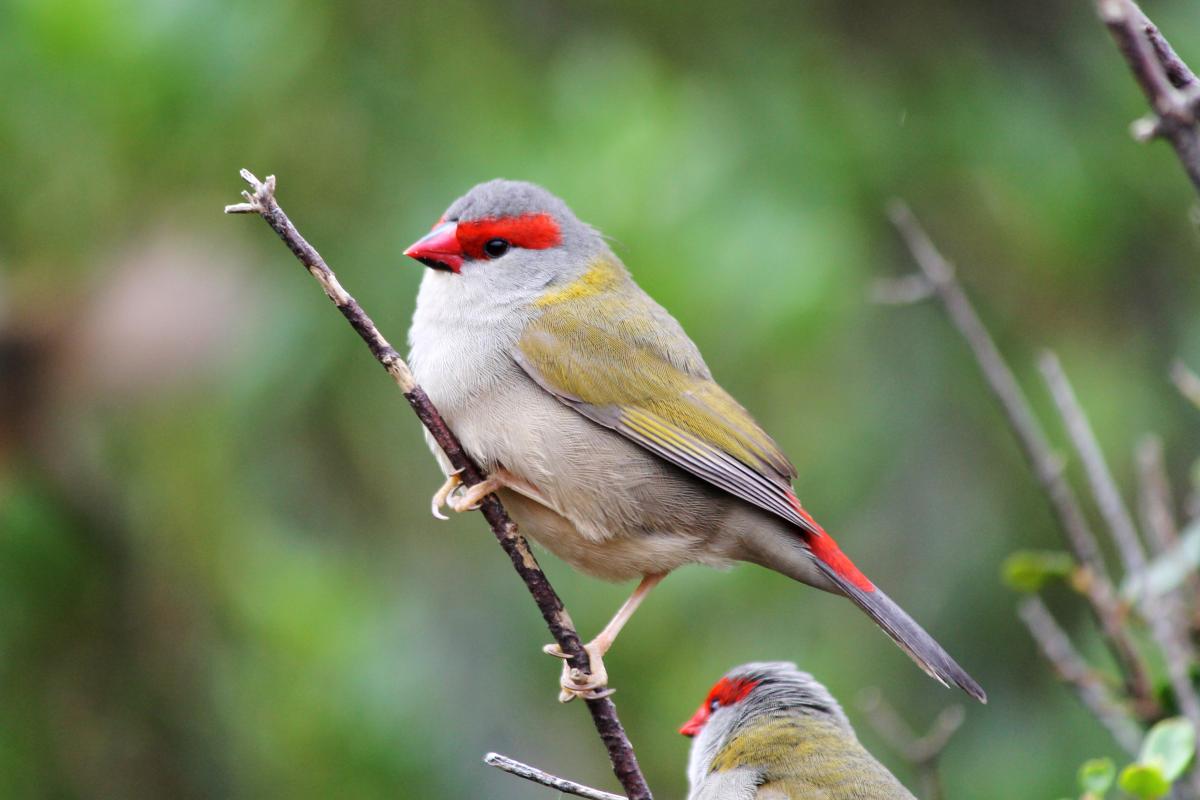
column 456, row 497
column 590, row 685
column 469, row 499
column 442, row 496
column 461, row 498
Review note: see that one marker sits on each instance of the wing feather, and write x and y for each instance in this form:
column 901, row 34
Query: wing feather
column 616, row 357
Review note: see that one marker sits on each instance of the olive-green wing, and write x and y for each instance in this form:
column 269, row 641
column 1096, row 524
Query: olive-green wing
column 604, row 348
column 798, row 755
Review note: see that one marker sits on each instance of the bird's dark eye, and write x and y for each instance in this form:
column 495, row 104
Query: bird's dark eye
column 714, row 705
column 496, row 248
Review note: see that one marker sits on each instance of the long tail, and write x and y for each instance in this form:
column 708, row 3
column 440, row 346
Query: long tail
column 911, row 637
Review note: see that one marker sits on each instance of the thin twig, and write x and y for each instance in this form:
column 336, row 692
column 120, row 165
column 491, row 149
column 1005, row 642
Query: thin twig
column 1156, row 509
column 1046, row 466
column 1178, row 73
column 529, row 773
column 1104, row 488
column 1166, row 81
column 1186, row 381
column 1168, row 613
column 922, row 752
column 1155, row 503
column 1073, row 670
column 261, row 201
column 1188, row 384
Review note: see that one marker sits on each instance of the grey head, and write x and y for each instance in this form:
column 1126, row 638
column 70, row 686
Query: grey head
column 746, row 694
column 779, row 686
column 508, row 235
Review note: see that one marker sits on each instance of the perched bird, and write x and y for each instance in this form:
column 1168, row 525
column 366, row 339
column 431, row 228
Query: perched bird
column 768, row 731
column 601, row 428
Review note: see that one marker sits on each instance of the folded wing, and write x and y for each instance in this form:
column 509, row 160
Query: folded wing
column 620, row 360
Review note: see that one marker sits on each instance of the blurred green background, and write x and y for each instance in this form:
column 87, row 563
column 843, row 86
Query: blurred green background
column 218, row 572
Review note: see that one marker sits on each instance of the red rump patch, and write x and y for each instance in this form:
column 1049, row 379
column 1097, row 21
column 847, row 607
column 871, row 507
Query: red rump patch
column 528, row 231
column 825, row 548
column 726, row 692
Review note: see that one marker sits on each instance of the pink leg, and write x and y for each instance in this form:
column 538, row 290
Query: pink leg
column 593, row 683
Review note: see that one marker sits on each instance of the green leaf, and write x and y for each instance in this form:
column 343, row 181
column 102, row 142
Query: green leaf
column 1030, row 570
column 1097, row 775
column 1144, row 781
column 1169, row 746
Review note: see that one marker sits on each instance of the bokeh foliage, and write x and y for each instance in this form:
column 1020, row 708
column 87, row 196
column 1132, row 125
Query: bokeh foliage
column 218, row 574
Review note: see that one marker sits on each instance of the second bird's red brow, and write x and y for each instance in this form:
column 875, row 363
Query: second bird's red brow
column 528, row 231
column 727, row 691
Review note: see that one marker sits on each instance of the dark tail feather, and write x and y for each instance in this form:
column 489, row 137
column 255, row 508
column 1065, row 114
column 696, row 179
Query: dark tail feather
column 911, row 637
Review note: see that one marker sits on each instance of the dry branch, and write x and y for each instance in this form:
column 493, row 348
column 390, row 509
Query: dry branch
column 1169, row 612
column 922, row 752
column 1155, row 503
column 1170, row 87
column 1074, row 671
column 1046, row 466
column 530, row 773
column 1104, row 487
column 261, row 201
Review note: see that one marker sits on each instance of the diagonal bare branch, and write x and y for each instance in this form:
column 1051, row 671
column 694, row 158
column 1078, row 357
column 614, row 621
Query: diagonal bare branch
column 1104, row 487
column 1046, row 466
column 1073, row 670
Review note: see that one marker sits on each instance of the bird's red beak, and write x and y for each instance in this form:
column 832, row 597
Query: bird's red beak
column 439, row 249
column 696, row 723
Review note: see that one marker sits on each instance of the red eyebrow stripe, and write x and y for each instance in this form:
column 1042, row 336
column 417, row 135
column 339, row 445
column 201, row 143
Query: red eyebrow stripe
column 727, row 692
column 529, row 231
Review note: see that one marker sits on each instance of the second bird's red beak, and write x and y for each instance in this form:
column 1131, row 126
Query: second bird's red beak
column 439, row 249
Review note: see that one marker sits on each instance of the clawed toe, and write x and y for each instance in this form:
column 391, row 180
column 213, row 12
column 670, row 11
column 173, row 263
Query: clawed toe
column 442, row 496
column 575, row 682
column 455, row 495
column 469, row 500
column 553, row 649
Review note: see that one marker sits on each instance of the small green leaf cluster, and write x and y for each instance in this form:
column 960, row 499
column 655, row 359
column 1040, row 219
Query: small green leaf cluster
column 1167, row 751
column 1028, row 571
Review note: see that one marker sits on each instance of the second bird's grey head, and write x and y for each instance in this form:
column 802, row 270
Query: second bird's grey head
column 508, row 232
column 748, row 695
column 781, row 686
column 762, row 687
